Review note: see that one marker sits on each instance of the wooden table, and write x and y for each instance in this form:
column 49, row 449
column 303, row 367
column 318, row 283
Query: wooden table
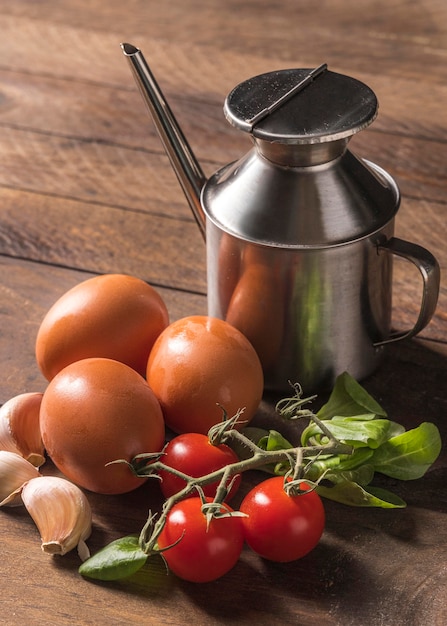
column 85, row 188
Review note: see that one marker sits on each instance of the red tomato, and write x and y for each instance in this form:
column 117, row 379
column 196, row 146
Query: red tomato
column 194, row 455
column 113, row 316
column 96, row 411
column 204, row 553
column 198, row 363
column 280, row 527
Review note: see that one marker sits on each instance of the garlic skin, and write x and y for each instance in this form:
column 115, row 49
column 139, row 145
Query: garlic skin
column 15, row 471
column 20, row 429
column 61, row 513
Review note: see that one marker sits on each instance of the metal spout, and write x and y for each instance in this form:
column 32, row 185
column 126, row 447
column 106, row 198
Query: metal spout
column 183, row 161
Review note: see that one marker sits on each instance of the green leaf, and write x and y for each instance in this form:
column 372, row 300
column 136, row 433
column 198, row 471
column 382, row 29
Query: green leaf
column 389, row 500
column 354, row 460
column 348, row 397
column 274, row 441
column 353, row 494
column 271, row 442
column 119, row 559
column 266, row 440
column 362, row 475
column 319, row 466
column 409, row 455
column 334, row 466
column 357, row 431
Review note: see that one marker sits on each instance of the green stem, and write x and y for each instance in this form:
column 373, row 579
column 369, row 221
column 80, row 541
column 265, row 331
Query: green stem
column 151, row 531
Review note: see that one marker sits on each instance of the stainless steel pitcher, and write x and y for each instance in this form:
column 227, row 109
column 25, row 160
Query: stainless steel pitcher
column 299, row 232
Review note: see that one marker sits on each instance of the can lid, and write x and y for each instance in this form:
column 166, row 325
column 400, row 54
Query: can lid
column 301, row 106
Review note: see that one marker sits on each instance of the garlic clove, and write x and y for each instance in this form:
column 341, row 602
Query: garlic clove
column 15, row 471
column 20, row 429
column 61, row 513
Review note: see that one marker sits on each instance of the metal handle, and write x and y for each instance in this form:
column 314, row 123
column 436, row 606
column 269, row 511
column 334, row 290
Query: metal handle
column 431, row 276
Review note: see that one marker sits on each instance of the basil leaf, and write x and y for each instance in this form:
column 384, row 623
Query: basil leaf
column 353, row 494
column 119, row 559
column 362, row 475
column 409, row 455
column 357, row 431
column 389, row 500
column 274, row 441
column 348, row 397
column 271, row 442
column 354, row 460
column 319, row 467
column 332, row 465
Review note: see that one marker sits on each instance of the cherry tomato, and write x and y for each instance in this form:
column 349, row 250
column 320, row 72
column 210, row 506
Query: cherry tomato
column 194, row 455
column 280, row 527
column 198, row 363
column 203, row 552
column 113, row 316
column 96, row 411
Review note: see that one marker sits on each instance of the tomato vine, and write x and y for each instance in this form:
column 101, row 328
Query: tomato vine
column 344, row 444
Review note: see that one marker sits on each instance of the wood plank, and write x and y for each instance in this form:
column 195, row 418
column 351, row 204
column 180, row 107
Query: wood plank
column 71, row 114
column 92, row 56
column 378, row 40
column 90, row 171
column 116, row 114
column 100, row 238
column 187, row 42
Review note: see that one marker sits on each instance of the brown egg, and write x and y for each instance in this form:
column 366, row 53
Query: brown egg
column 96, row 411
column 198, row 366
column 113, row 316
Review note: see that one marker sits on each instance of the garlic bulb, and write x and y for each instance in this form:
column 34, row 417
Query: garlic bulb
column 14, row 472
column 61, row 513
column 19, row 427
